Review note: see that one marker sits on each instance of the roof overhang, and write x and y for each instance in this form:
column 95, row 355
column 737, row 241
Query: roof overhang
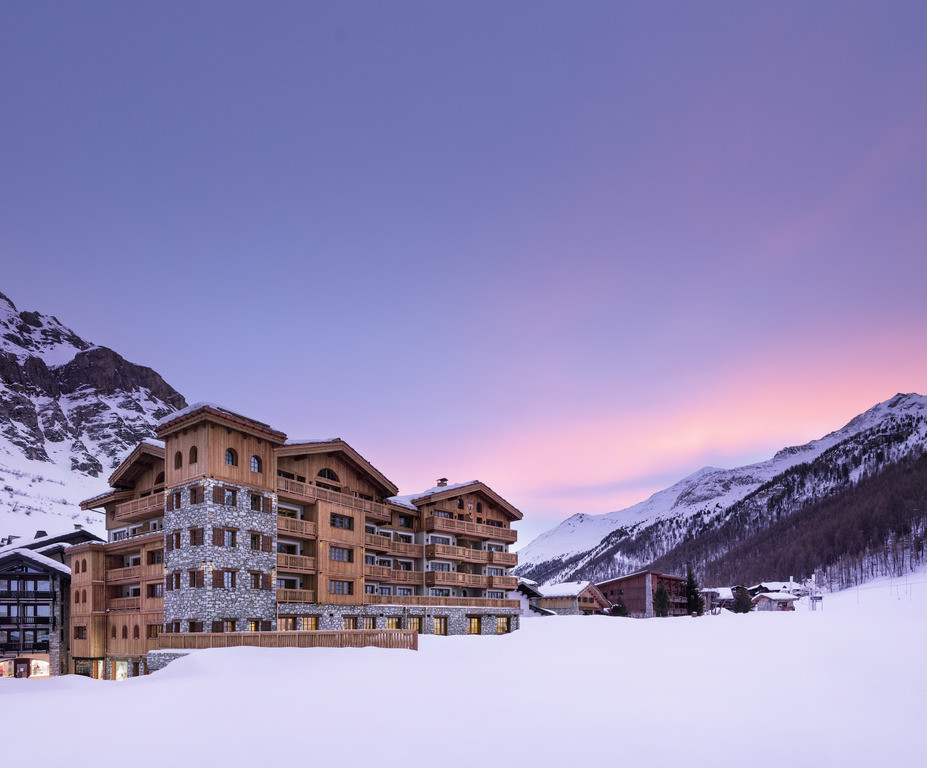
column 338, row 445
column 214, row 413
column 475, row 487
column 142, row 458
column 110, row 497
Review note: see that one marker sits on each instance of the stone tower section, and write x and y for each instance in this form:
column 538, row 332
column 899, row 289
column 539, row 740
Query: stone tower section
column 220, row 521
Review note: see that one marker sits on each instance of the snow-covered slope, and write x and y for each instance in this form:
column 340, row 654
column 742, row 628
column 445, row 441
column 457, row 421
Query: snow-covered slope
column 69, row 413
column 708, row 493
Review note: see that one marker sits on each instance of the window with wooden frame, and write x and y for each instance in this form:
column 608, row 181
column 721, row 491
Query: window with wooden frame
column 341, row 554
column 155, row 556
column 125, row 632
column 370, row 589
column 342, row 521
column 197, row 579
column 254, row 625
column 257, row 502
column 231, row 457
column 196, row 537
column 393, row 622
column 196, row 494
column 404, row 591
column 193, row 455
column 223, row 579
column 495, row 595
column 224, row 537
column 176, row 579
column 256, row 464
column 309, row 623
column 368, row 622
column 224, row 625
column 349, row 622
column 172, row 540
column 112, row 632
column 385, row 591
column 195, row 626
column 337, row 587
column 135, row 632
column 503, row 625
column 286, row 623
column 80, row 632
column 440, row 625
column 176, row 500
column 439, row 592
column 473, row 625
column 155, row 591
column 178, row 460
column 152, row 631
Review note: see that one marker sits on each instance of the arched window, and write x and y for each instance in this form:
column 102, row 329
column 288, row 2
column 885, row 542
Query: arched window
column 125, row 632
column 328, row 474
column 112, row 632
column 135, row 633
column 231, row 458
column 178, row 460
column 255, row 463
column 159, row 480
column 193, row 456
column 83, row 566
column 83, row 596
column 76, row 595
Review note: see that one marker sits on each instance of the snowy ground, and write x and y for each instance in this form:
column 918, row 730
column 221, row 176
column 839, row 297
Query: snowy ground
column 839, row 687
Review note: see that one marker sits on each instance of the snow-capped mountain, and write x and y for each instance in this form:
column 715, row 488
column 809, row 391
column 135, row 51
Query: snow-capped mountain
column 69, row 413
column 602, row 546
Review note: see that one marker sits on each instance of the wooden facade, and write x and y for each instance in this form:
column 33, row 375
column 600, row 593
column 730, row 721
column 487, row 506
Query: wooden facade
column 636, row 591
column 342, row 538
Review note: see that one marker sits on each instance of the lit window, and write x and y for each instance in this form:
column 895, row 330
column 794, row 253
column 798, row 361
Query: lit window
column 349, row 622
column 368, row 622
column 392, row 622
column 473, row 625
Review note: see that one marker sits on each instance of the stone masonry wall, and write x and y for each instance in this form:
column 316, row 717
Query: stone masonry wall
column 208, row 603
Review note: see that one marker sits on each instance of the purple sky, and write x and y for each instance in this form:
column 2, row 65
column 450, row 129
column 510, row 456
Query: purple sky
column 575, row 250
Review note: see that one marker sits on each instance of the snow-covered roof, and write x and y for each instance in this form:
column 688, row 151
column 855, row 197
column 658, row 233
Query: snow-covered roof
column 724, row 593
column 153, row 441
column 775, row 586
column 189, row 409
column 779, row 597
column 219, row 409
column 564, row 589
column 309, row 441
column 40, row 559
column 405, row 500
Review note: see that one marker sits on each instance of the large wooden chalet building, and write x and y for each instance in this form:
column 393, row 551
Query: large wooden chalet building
column 223, row 525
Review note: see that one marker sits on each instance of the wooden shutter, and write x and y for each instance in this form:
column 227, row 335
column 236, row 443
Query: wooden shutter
column 218, row 494
column 199, row 578
column 218, row 537
column 265, row 626
column 267, row 543
column 265, row 581
column 217, row 580
column 169, row 541
column 170, row 502
column 169, row 582
column 217, row 626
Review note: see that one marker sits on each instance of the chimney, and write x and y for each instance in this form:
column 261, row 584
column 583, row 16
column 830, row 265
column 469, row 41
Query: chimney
column 442, row 482
column 40, row 534
column 78, row 527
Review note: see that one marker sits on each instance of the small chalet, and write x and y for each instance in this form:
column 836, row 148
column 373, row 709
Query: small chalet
column 636, row 591
column 572, row 598
column 775, row 601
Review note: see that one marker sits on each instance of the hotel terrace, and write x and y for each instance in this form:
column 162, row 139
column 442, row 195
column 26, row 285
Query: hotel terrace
column 224, row 526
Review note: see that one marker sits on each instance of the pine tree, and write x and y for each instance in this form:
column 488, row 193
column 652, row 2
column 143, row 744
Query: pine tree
column 618, row 609
column 695, row 603
column 743, row 603
column 661, row 601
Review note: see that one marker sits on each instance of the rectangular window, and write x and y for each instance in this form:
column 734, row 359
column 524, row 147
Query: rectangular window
column 414, row 622
column 153, row 630
column 495, row 595
column 176, row 499
column 155, row 590
column 196, row 626
column 228, row 497
column 341, row 587
column 441, row 540
column 341, row 554
column 342, row 521
column 349, row 622
column 228, row 625
column 503, row 625
column 155, row 557
column 439, row 513
column 175, row 577
column 286, row 624
column 257, row 503
column 255, row 541
column 254, row 625
column 196, row 537
column 473, row 625
column 370, row 589
column 368, row 622
column 228, row 538
column 440, row 625
column 495, row 572
column 404, row 591
column 228, row 580
column 436, row 592
column 176, row 539
column 385, row 591
column 255, row 579
column 440, row 567
column 196, row 579
column 392, row 622
column 196, row 494
column 310, row 623
column 80, row 633
column 404, row 521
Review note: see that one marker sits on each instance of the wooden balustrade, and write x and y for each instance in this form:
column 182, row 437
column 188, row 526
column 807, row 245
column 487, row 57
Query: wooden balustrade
column 295, row 595
column 124, row 603
column 131, row 573
column 138, row 508
column 406, row 639
column 508, row 559
column 295, row 562
column 376, row 571
column 295, row 526
column 406, row 577
column 427, row 600
column 372, row 509
column 456, row 578
column 386, row 544
column 451, row 552
column 503, row 582
column 463, row 527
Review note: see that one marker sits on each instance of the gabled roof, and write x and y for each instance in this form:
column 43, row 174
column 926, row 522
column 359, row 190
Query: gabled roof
column 76, row 536
column 103, row 499
column 41, row 560
column 337, row 445
column 564, row 589
column 142, row 457
column 444, row 492
column 778, row 597
column 640, row 573
column 193, row 414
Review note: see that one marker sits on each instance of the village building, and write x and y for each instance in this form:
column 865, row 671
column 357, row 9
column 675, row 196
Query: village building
column 34, row 603
column 571, row 598
column 636, row 591
column 223, row 525
column 774, row 601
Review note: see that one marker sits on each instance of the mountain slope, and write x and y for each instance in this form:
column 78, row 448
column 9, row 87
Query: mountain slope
column 69, row 412
column 601, row 546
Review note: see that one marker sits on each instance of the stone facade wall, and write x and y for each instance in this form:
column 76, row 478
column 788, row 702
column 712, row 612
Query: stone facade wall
column 209, row 603
column 160, row 659
column 58, row 633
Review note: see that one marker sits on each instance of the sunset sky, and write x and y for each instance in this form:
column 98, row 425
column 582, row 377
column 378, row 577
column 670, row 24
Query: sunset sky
column 574, row 250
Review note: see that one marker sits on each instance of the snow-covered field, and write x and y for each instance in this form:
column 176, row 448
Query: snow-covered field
column 840, row 687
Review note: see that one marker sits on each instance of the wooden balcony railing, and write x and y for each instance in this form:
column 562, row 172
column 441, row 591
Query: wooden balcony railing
column 295, row 563
column 503, row 582
column 376, row 571
column 295, row 526
column 427, row 600
column 449, row 552
column 463, row 527
column 295, row 595
column 132, row 573
column 406, row 639
column 124, row 603
column 508, row 559
column 139, row 508
column 455, row 579
column 406, row 577
column 386, row 544
column 371, row 509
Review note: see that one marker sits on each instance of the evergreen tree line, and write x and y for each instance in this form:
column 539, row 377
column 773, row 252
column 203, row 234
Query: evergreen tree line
column 873, row 528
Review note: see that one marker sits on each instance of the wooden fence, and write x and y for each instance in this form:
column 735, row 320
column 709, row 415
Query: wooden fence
column 406, row 639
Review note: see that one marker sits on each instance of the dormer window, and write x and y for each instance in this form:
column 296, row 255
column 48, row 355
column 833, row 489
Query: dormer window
column 255, row 463
column 231, row 457
column 178, row 460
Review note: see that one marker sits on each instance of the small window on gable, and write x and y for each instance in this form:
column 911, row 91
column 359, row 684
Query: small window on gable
column 193, row 456
column 328, row 474
column 178, row 460
column 231, row 457
column 255, row 463
column 159, row 480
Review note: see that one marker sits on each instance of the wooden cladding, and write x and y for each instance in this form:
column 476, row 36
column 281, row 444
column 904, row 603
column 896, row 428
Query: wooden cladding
column 361, row 638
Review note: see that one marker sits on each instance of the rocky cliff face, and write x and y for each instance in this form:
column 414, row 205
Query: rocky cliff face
column 69, row 413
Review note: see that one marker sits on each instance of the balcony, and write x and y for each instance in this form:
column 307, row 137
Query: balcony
column 406, row 577
column 503, row 582
column 372, row 509
column 30, row 594
column 139, row 509
column 295, row 563
column 376, row 571
column 295, row 595
column 386, row 544
column 455, row 579
column 426, row 600
column 42, row 620
column 124, row 603
column 508, row 559
column 474, row 530
column 132, row 573
column 296, row 527
column 355, row 638
column 448, row 552
column 37, row 647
